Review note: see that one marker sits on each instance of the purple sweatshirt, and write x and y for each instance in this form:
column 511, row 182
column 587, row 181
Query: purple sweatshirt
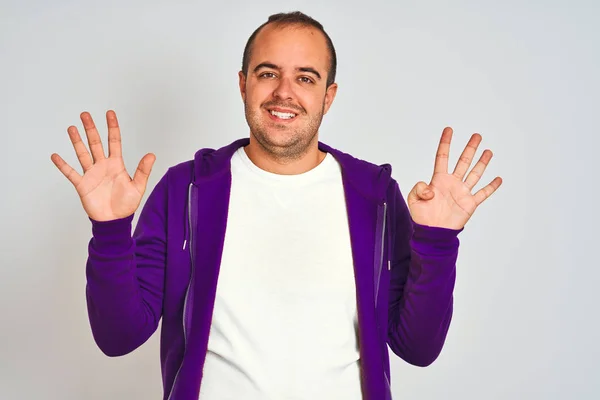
column 168, row 268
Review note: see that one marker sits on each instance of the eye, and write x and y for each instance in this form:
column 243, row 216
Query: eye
column 267, row 75
column 306, row 79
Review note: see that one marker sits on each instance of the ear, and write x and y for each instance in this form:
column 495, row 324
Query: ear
column 329, row 96
column 242, row 83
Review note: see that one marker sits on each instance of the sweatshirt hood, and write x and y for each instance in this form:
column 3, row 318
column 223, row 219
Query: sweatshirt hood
column 371, row 180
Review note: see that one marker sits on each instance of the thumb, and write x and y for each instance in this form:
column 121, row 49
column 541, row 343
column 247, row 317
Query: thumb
column 140, row 178
column 421, row 191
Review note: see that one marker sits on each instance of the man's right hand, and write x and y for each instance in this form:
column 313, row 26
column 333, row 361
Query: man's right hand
column 106, row 190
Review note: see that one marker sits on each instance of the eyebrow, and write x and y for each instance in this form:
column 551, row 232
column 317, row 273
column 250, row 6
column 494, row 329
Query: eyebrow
column 273, row 66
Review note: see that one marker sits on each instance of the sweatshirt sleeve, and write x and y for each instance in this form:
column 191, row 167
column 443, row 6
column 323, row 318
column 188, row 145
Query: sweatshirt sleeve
column 125, row 276
column 423, row 272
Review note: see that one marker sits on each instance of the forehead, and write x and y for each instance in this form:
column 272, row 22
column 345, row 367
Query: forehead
column 290, row 45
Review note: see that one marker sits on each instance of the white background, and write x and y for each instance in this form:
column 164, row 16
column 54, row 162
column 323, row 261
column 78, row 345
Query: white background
column 525, row 76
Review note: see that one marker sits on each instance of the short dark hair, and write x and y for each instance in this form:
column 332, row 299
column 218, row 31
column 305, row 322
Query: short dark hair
column 293, row 18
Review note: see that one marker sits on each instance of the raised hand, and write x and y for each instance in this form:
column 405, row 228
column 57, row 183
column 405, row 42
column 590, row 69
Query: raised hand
column 447, row 201
column 106, row 190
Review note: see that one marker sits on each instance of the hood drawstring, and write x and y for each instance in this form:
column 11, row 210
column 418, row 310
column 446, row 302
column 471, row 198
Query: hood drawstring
column 186, row 220
column 388, row 229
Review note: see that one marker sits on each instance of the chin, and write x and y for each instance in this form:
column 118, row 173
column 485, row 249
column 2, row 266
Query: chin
column 282, row 143
column 275, row 137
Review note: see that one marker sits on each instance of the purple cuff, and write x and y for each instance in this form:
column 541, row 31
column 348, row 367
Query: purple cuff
column 434, row 240
column 112, row 237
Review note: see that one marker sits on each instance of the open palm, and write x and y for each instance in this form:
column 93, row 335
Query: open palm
column 106, row 190
column 447, row 200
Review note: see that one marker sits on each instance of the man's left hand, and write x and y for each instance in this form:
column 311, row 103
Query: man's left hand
column 447, row 201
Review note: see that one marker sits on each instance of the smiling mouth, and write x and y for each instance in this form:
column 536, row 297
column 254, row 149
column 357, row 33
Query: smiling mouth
column 282, row 115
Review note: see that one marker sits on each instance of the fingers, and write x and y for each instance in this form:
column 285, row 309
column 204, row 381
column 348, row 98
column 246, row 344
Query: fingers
column 477, row 171
column 464, row 162
column 487, row 191
column 114, row 134
column 93, row 137
column 66, row 169
column 441, row 157
column 420, row 191
column 424, row 192
column 140, row 177
column 84, row 157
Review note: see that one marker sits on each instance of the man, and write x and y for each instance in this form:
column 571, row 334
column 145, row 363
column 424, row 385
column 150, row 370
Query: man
column 281, row 268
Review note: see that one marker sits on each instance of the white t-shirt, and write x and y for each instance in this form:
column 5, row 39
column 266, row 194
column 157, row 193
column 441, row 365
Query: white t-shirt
column 285, row 322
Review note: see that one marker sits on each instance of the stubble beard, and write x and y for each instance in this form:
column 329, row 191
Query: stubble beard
column 297, row 142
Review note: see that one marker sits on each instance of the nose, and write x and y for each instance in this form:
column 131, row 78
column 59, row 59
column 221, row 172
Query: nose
column 284, row 89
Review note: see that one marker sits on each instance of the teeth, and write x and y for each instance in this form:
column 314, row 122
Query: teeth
column 283, row 115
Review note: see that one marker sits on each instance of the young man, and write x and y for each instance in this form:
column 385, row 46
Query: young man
column 281, row 268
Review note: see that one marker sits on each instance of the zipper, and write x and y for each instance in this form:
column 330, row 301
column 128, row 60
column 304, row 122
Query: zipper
column 380, row 265
column 389, row 389
column 187, row 292
column 379, row 268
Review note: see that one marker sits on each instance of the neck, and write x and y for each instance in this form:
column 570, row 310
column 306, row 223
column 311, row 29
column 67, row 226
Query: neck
column 275, row 164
